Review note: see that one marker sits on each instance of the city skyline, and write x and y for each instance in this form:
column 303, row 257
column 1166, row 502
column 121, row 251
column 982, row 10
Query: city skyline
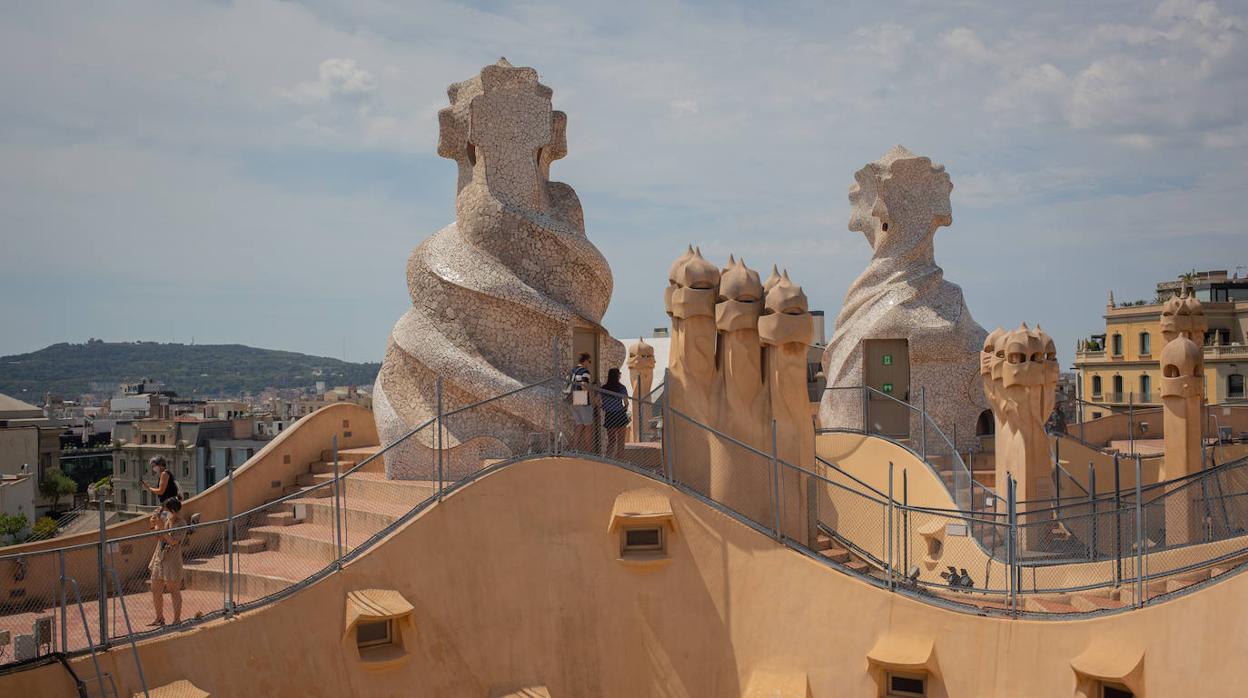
column 158, row 188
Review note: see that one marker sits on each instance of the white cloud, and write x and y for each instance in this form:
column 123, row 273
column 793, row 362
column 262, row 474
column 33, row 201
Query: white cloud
column 339, row 78
column 733, row 126
column 965, row 44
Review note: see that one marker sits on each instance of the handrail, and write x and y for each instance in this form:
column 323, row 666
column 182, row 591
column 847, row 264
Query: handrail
column 994, row 519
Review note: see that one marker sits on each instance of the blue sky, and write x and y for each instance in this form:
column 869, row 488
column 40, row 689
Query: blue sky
column 257, row 172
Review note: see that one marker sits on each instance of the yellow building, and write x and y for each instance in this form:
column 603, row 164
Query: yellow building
column 1121, row 368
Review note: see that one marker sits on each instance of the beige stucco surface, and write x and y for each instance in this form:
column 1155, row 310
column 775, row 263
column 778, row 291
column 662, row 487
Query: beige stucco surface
column 514, row 582
column 263, row 477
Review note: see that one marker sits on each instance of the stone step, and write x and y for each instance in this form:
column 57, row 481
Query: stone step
column 308, row 541
column 308, row 491
column 310, row 479
column 249, row 546
column 356, row 454
column 280, row 518
column 326, row 467
column 1089, row 601
column 1057, row 604
column 374, row 486
column 836, row 555
column 357, row 514
column 858, row 566
column 256, row 575
column 1176, row 583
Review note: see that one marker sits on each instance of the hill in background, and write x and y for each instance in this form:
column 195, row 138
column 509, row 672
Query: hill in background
column 204, row 370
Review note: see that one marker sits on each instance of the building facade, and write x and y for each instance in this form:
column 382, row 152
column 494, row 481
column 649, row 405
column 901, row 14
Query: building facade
column 30, row 443
column 1120, row 369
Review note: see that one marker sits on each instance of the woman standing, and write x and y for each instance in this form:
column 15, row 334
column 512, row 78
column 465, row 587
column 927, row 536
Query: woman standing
column 166, row 487
column 166, row 564
column 615, row 413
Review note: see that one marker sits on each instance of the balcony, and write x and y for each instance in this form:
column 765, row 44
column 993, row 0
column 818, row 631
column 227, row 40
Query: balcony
column 1226, row 351
column 1127, row 398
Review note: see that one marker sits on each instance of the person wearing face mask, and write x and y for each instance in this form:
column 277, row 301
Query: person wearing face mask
column 166, row 487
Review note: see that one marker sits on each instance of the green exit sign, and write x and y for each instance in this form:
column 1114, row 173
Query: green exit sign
column 888, row 387
column 888, row 359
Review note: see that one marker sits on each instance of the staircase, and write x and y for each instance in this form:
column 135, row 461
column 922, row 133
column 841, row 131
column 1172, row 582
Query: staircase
column 287, row 542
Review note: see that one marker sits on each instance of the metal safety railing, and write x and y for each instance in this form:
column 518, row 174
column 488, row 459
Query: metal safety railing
column 1136, row 543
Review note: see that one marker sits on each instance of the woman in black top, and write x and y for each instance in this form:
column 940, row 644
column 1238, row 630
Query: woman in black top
column 166, row 487
column 614, row 413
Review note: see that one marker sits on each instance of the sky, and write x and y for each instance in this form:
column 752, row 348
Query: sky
column 257, row 172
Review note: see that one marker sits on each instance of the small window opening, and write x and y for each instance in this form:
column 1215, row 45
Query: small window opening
column 885, row 227
column 643, row 540
column 934, row 547
column 374, row 634
column 1113, row 690
column 906, row 686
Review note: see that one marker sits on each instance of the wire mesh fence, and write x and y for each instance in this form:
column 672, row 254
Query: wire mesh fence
column 1082, row 550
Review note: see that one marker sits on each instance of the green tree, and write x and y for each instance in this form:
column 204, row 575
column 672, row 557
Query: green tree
column 56, row 484
column 44, row 528
column 11, row 526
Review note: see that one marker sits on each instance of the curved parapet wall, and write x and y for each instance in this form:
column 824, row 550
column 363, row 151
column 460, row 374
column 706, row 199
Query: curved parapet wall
column 256, row 481
column 496, row 295
column 496, row 608
column 263, row 477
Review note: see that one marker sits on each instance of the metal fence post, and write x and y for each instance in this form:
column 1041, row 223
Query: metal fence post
column 866, row 409
column 923, row 423
column 1057, row 477
column 1131, row 420
column 438, row 442
column 905, row 522
column 1011, row 557
column 1139, row 536
column 775, row 477
column 888, row 568
column 669, row 426
column 60, row 563
column 1117, row 523
column 337, row 503
column 1092, row 503
column 103, row 582
column 229, row 540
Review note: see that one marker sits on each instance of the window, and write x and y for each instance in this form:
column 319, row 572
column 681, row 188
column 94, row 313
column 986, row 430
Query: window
column 906, row 686
column 1117, row 345
column 1113, row 690
column 643, row 540
column 1146, row 344
column 1146, row 385
column 1096, row 386
column 123, row 497
column 1235, row 385
column 145, row 438
column 374, row 634
column 1096, row 415
column 1117, row 387
column 162, row 438
column 186, row 468
column 123, row 466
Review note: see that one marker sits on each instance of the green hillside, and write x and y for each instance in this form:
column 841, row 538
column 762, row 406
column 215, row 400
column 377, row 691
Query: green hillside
column 188, row 369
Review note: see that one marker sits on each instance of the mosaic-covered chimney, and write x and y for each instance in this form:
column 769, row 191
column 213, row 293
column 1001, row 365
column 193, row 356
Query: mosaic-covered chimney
column 504, row 296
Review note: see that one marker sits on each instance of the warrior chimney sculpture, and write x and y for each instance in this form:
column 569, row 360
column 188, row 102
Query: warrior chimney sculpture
column 898, row 202
column 738, row 365
column 640, row 364
column 1183, row 326
column 1022, row 391
column 496, row 295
